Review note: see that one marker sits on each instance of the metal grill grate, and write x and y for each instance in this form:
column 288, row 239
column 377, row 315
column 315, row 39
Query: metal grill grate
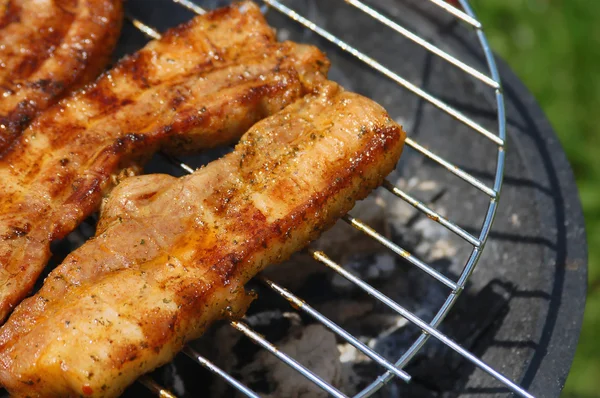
column 477, row 242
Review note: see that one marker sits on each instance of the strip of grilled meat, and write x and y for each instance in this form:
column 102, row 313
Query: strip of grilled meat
column 204, row 84
column 171, row 255
column 47, row 48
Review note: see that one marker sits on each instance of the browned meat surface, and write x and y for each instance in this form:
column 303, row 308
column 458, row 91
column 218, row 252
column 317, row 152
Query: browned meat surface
column 48, row 47
column 171, row 255
column 204, row 84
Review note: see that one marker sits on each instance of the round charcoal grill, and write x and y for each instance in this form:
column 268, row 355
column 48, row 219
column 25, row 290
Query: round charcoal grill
column 390, row 301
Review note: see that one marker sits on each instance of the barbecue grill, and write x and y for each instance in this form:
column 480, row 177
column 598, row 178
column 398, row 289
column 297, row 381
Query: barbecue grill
column 516, row 323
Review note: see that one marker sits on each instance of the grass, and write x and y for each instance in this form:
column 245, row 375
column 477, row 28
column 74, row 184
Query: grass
column 554, row 47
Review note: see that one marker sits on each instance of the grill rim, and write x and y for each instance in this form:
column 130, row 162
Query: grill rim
column 546, row 372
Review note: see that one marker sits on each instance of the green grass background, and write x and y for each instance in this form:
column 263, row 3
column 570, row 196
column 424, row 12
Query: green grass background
column 554, row 47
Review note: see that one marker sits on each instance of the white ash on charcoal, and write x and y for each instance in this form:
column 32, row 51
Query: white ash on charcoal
column 310, row 344
column 315, row 347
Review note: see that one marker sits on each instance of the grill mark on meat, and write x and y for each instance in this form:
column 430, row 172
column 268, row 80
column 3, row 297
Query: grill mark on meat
column 48, row 86
column 18, row 232
column 203, row 117
column 105, row 98
column 12, row 14
column 60, row 179
column 15, row 121
column 87, row 189
column 138, row 67
column 47, row 40
column 179, row 99
column 51, row 47
column 190, row 118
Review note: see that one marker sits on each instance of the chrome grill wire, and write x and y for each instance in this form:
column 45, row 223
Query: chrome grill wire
column 478, row 243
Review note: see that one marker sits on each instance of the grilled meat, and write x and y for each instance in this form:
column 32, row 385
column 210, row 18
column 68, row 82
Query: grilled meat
column 47, row 48
column 203, row 84
column 171, row 255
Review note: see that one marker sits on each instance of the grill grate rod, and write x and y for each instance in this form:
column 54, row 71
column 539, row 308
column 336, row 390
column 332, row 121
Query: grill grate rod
column 155, row 387
column 178, row 163
column 385, row 71
column 458, row 13
column 322, row 258
column 457, row 171
column 359, row 225
column 191, row 6
column 300, row 304
column 147, row 30
column 441, row 314
column 417, row 204
column 258, row 339
column 424, row 43
column 194, row 355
